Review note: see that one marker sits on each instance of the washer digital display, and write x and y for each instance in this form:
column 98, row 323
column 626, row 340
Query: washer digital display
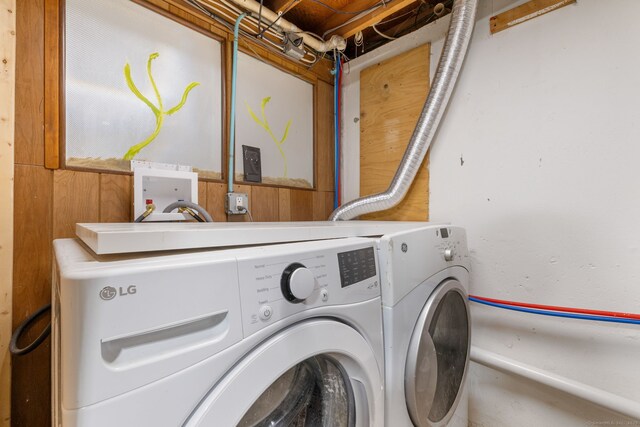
column 356, row 266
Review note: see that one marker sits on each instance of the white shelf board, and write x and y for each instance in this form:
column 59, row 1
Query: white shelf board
column 117, row 238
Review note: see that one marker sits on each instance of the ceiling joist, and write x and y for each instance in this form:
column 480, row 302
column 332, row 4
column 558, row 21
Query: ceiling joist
column 410, row 22
column 280, row 6
column 340, row 18
column 372, row 18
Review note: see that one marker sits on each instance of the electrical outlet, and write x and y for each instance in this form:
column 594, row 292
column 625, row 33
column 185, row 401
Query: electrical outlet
column 237, row 203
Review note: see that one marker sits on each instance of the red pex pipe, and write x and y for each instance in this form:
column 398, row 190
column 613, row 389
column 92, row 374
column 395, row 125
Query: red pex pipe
column 558, row 308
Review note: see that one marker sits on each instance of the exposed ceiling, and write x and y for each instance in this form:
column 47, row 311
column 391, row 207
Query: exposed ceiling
column 364, row 24
column 391, row 18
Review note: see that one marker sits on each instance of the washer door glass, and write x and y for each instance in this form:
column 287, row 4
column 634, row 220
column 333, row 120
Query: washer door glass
column 438, row 356
column 314, row 373
column 315, row 392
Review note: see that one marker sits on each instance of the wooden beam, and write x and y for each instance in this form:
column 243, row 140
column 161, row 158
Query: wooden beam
column 52, row 84
column 524, row 12
column 340, row 18
column 32, row 260
column 372, row 18
column 324, row 137
column 7, row 125
column 280, row 6
column 29, row 133
column 409, row 22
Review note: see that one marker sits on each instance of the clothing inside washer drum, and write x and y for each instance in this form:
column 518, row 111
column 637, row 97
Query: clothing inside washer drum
column 312, row 393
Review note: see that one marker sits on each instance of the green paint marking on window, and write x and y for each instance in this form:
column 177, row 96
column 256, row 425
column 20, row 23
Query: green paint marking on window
column 158, row 111
column 265, row 125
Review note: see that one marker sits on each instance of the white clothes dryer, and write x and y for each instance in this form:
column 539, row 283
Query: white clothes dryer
column 427, row 328
column 286, row 334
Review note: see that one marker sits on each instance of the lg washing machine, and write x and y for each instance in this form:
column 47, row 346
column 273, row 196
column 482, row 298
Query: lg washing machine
column 284, row 334
column 258, row 324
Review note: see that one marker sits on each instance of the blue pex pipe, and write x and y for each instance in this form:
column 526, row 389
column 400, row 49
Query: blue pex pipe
column 232, row 118
column 557, row 314
column 336, row 143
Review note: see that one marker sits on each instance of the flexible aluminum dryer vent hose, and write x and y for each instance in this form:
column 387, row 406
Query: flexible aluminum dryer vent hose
column 463, row 18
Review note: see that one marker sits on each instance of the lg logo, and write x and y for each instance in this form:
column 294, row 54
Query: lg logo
column 109, row 292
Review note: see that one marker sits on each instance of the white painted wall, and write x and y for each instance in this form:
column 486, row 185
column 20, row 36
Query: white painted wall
column 546, row 117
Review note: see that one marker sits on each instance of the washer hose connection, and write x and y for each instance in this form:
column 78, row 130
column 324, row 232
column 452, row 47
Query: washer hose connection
column 190, row 205
column 150, row 208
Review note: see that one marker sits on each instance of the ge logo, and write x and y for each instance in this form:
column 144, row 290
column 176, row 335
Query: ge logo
column 108, row 293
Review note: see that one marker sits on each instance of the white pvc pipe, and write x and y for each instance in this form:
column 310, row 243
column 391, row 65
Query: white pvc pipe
column 230, row 13
column 335, row 42
column 439, row 10
column 594, row 395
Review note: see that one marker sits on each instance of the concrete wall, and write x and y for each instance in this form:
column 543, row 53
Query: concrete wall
column 537, row 157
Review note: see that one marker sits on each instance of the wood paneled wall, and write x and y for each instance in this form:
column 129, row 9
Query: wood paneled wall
column 49, row 202
column 7, row 125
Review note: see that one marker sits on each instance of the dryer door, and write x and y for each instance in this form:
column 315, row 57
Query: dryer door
column 438, row 356
column 316, row 373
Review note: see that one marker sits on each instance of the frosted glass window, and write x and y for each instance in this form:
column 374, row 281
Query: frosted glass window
column 288, row 109
column 105, row 119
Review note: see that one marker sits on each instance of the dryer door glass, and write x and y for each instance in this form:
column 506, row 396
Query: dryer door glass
column 315, row 392
column 438, row 356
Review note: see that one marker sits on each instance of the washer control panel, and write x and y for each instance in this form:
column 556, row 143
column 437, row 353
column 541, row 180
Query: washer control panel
column 356, row 266
column 409, row 258
column 282, row 280
column 297, row 282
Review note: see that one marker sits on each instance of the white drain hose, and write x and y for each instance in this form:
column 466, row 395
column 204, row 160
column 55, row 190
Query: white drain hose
column 463, row 18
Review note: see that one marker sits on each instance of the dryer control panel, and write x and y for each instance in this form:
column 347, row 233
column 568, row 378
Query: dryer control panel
column 409, row 258
column 282, row 280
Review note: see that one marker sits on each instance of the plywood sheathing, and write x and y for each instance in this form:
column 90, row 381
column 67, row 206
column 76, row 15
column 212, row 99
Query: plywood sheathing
column 392, row 94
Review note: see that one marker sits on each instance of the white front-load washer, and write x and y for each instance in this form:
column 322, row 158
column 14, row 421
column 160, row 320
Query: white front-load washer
column 281, row 334
column 427, row 328
column 163, row 324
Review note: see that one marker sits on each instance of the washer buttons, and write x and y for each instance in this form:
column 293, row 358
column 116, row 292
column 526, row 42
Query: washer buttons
column 265, row 312
column 324, row 294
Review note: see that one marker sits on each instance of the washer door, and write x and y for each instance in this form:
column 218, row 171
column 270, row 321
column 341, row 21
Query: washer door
column 316, row 373
column 315, row 392
column 438, row 356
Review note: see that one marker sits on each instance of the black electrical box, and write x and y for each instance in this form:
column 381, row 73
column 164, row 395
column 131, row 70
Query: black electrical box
column 252, row 164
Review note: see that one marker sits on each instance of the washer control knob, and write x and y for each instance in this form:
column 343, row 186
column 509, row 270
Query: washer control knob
column 297, row 283
column 448, row 254
column 265, row 312
column 324, row 294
